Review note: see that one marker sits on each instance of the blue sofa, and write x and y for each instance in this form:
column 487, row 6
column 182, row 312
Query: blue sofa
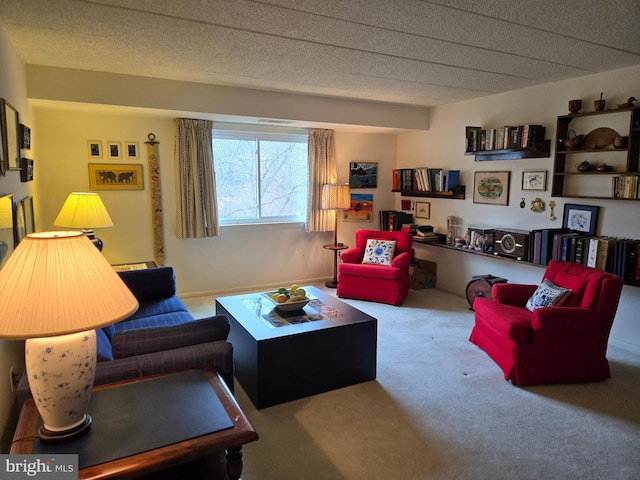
column 160, row 337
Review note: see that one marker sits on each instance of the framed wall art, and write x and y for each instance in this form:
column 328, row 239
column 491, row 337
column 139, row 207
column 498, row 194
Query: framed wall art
column 363, row 175
column 582, row 218
column 361, row 209
column 10, row 125
column 95, row 148
column 106, row 176
column 7, row 234
column 131, row 150
column 113, row 150
column 491, row 188
column 25, row 137
column 534, row 180
column 423, row 210
column 26, row 170
column 20, row 227
column 29, row 218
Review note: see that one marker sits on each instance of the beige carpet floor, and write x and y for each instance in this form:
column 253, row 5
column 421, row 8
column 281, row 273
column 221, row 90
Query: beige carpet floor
column 440, row 409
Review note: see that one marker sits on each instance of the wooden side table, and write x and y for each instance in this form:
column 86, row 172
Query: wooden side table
column 335, row 247
column 147, row 425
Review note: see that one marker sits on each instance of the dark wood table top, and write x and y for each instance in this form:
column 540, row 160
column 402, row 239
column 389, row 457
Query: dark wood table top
column 236, row 431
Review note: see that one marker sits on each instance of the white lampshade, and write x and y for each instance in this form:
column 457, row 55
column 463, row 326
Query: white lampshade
column 56, row 283
column 83, row 210
column 335, row 197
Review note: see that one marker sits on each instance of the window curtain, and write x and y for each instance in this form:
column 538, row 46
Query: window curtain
column 196, row 209
column 322, row 170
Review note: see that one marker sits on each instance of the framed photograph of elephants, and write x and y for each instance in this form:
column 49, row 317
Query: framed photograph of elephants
column 107, row 176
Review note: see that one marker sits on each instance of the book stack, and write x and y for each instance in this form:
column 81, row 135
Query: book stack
column 503, row 138
column 425, row 179
column 626, row 186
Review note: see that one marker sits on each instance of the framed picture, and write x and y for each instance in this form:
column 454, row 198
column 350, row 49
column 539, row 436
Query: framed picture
column 582, row 218
column 131, row 149
column 25, row 137
column 423, row 210
column 7, row 235
column 113, row 150
column 26, row 170
column 20, row 227
column 361, row 209
column 95, row 148
column 534, row 180
column 106, row 176
column 29, row 218
column 363, row 175
column 491, row 188
column 10, row 125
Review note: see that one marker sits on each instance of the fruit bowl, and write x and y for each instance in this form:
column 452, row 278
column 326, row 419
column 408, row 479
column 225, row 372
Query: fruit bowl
column 287, row 306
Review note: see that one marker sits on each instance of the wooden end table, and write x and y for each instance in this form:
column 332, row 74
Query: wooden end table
column 147, row 425
column 335, row 247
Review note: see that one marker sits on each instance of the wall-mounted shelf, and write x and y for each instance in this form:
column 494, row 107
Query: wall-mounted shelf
column 458, row 195
column 540, row 150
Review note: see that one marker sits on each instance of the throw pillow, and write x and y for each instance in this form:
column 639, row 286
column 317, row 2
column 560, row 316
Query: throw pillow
column 547, row 295
column 379, row 252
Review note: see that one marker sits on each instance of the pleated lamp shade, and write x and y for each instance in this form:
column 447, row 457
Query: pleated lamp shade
column 83, row 210
column 335, row 197
column 56, row 283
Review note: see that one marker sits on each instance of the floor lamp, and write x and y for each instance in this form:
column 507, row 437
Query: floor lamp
column 56, row 288
column 84, row 211
column 335, row 197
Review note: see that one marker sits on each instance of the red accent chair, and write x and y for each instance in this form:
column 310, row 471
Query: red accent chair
column 559, row 344
column 377, row 283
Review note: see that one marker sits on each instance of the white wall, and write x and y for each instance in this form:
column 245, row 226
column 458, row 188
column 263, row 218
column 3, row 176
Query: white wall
column 13, row 90
column 443, row 145
column 241, row 257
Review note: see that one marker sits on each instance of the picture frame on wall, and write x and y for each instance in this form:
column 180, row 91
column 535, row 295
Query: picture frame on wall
column 581, row 218
column 7, row 223
column 114, row 150
column 25, row 137
column 361, row 209
column 10, row 126
column 491, row 188
column 131, row 150
column 107, row 176
column 423, row 210
column 363, row 175
column 20, row 227
column 534, row 180
column 94, row 148
column 26, row 170
column 29, row 218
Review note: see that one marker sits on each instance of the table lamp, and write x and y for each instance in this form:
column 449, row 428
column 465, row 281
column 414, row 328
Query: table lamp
column 335, row 197
column 55, row 289
column 86, row 212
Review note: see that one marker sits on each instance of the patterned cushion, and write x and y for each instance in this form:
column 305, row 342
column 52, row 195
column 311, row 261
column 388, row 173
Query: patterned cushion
column 547, row 295
column 379, row 252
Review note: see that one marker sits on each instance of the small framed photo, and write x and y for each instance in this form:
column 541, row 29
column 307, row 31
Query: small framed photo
column 131, row 150
column 25, row 137
column 363, row 175
column 113, row 150
column 491, row 188
column 95, row 148
column 534, row 180
column 26, row 170
column 110, row 176
column 582, row 218
column 423, row 210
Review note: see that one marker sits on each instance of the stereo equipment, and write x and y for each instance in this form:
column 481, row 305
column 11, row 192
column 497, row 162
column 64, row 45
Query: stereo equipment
column 511, row 243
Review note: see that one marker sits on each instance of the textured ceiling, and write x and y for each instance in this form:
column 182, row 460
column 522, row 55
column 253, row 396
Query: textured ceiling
column 413, row 52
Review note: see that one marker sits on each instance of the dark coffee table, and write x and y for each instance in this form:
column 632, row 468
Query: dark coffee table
column 281, row 357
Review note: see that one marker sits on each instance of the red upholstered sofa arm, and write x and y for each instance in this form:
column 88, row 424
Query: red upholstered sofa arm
column 352, row 255
column 512, row 293
column 564, row 319
column 402, row 260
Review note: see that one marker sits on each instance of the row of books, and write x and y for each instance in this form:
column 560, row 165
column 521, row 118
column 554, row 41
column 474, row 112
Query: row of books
column 615, row 255
column 507, row 137
column 425, row 179
column 626, row 186
column 392, row 220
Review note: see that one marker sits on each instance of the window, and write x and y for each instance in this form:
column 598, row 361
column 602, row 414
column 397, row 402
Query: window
column 261, row 176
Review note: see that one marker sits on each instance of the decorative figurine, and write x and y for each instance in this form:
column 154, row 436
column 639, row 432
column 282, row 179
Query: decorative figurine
column 537, row 205
column 628, row 103
column 552, row 205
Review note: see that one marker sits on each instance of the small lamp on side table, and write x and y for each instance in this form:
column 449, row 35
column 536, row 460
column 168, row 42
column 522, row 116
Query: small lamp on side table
column 55, row 289
column 335, row 197
column 86, row 212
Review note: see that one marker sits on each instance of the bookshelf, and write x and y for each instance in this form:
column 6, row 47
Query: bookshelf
column 507, row 143
column 428, row 182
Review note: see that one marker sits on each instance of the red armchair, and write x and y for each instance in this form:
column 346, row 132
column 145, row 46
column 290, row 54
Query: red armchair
column 378, row 283
column 555, row 344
